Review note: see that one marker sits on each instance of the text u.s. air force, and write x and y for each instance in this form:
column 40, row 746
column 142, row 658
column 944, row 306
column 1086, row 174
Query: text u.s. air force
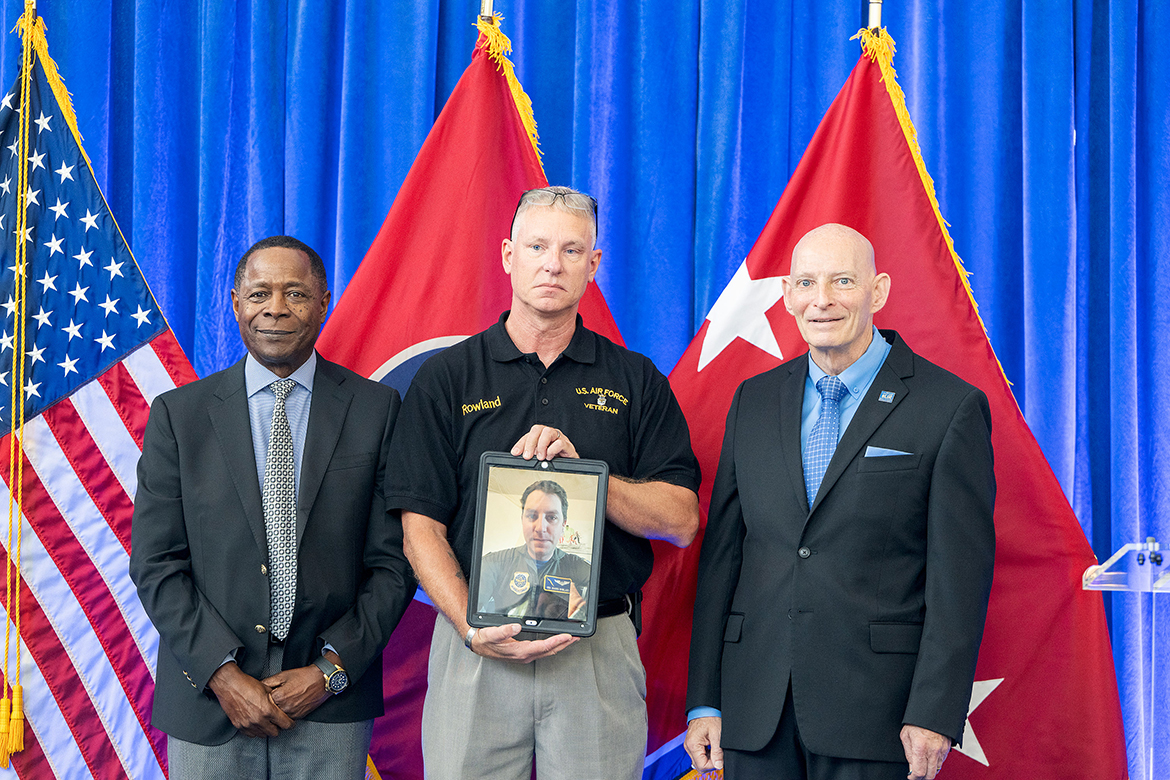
column 603, row 399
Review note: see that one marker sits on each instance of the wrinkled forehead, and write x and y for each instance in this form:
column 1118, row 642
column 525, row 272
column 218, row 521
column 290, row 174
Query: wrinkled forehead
column 279, row 265
column 532, row 220
column 834, row 252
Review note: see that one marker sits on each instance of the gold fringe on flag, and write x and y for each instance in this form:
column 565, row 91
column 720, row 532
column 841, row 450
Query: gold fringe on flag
column 32, row 27
column 880, row 48
column 498, row 46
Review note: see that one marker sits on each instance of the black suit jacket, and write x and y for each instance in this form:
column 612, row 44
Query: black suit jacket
column 873, row 602
column 199, row 546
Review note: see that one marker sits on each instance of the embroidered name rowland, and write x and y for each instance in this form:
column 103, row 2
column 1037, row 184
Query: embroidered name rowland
column 480, row 405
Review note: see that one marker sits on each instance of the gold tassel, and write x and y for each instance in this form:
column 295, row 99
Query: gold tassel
column 498, row 45
column 4, row 726
column 16, row 724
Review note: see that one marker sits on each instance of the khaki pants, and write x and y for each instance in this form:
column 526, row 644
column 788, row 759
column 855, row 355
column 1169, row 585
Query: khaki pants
column 580, row 713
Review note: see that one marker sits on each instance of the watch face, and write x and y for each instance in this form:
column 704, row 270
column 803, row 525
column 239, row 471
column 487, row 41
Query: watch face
column 338, row 681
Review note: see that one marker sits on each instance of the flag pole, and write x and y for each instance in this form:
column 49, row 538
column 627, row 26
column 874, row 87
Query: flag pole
column 485, row 9
column 875, row 14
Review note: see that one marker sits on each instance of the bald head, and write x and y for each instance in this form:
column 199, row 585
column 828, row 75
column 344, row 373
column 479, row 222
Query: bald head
column 838, row 239
column 833, row 290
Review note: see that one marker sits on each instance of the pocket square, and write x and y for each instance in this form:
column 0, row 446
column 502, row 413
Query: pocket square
column 882, row 452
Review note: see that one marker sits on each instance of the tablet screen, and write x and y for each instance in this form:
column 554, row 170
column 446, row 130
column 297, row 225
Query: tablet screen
column 539, row 526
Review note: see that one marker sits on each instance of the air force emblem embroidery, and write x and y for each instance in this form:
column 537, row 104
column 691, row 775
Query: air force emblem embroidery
column 557, row 584
column 520, row 583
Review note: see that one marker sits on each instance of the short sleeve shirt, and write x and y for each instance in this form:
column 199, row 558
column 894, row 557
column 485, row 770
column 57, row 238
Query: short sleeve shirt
column 483, row 394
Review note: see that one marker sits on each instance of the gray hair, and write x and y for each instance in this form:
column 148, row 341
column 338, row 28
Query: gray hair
column 564, row 199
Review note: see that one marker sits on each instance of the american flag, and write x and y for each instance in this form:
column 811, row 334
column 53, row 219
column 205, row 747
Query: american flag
column 97, row 352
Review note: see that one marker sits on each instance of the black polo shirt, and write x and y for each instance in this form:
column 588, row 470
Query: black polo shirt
column 484, row 394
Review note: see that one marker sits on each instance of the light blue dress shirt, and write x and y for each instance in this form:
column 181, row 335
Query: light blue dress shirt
column 261, row 402
column 857, row 378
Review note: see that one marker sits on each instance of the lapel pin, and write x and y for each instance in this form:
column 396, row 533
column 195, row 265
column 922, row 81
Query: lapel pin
column 886, row 396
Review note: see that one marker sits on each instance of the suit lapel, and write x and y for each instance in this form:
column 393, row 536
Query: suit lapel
column 331, row 400
column 870, row 414
column 228, row 414
column 790, row 410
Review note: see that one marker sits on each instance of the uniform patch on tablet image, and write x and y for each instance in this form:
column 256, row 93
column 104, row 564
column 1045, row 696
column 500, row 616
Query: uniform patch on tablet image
column 520, row 583
column 556, row 584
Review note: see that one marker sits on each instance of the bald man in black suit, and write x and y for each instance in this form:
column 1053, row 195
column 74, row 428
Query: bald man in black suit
column 838, row 617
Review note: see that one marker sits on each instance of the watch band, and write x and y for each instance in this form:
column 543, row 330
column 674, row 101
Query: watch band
column 336, row 678
column 469, row 637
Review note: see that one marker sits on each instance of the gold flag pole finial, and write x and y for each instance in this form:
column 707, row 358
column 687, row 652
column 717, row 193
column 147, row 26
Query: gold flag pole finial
column 875, row 14
column 485, row 9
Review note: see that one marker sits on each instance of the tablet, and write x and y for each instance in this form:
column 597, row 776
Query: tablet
column 537, row 556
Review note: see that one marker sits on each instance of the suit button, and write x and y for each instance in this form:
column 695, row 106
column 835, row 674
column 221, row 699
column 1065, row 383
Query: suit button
column 804, row 552
column 260, row 629
column 264, row 569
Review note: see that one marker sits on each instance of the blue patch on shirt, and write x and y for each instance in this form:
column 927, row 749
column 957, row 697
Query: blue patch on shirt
column 557, row 584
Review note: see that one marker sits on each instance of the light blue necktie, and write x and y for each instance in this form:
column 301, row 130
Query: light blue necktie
column 822, row 441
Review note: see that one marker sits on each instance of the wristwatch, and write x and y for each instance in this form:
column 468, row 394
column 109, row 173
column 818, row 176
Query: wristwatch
column 336, row 680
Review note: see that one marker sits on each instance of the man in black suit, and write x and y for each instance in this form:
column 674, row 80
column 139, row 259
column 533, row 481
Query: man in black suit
column 262, row 550
column 847, row 563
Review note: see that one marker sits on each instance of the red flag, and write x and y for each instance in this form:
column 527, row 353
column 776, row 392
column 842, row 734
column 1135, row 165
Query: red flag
column 433, row 277
column 1045, row 701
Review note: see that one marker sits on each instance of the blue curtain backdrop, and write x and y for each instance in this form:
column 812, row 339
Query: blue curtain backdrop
column 1045, row 125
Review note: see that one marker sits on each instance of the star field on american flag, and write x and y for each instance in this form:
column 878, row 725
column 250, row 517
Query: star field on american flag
column 87, row 304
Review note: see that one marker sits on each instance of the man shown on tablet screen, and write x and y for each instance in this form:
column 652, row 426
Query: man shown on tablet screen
column 536, row 579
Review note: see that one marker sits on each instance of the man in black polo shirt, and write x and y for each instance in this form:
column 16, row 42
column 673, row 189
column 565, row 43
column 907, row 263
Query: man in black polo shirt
column 538, row 383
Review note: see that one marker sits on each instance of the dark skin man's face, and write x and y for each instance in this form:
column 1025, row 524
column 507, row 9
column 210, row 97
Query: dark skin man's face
column 279, row 306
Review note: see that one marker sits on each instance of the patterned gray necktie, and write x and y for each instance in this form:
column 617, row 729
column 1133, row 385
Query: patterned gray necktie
column 280, row 513
column 822, row 441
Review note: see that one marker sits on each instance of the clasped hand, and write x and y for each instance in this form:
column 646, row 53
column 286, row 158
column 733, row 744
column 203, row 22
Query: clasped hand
column 264, row 708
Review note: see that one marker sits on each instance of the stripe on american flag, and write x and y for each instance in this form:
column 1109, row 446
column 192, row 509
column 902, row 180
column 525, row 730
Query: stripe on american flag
column 66, row 652
column 83, row 458
column 54, row 752
column 127, row 400
column 92, row 572
column 109, row 435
